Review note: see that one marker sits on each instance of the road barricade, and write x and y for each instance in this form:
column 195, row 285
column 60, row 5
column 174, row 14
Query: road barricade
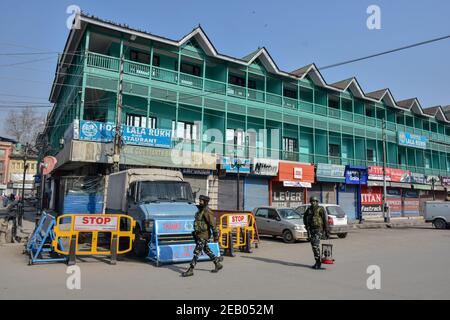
column 172, row 241
column 40, row 246
column 93, row 234
column 237, row 231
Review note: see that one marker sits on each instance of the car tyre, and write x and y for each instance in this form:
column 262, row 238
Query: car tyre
column 440, row 224
column 342, row 235
column 288, row 237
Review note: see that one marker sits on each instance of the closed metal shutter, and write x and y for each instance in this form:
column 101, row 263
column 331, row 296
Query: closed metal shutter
column 315, row 191
column 328, row 193
column 256, row 193
column 348, row 201
column 198, row 184
column 228, row 191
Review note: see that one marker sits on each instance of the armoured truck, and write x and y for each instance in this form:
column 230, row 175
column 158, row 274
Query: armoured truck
column 148, row 195
column 438, row 213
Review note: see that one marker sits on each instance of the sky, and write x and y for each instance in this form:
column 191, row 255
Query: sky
column 295, row 33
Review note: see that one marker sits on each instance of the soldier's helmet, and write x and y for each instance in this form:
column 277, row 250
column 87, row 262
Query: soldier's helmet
column 312, row 199
column 204, row 198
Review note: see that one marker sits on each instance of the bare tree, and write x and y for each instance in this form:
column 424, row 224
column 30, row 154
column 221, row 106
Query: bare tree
column 24, row 125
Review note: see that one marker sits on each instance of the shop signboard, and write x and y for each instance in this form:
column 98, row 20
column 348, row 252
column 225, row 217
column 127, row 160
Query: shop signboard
column 356, row 175
column 229, row 164
column 264, row 167
column 371, row 202
column 394, row 202
column 445, row 181
column 330, row 172
column 418, row 178
column 412, row 140
column 393, row 175
column 411, row 203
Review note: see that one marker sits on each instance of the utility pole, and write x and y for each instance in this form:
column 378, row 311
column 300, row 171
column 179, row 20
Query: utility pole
column 237, row 165
column 433, row 181
column 117, row 136
column 22, row 200
column 386, row 213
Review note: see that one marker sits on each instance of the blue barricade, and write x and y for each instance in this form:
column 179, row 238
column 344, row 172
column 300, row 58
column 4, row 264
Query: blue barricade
column 39, row 246
column 172, row 241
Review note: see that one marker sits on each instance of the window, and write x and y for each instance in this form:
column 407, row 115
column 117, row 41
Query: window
column 135, row 120
column 273, row 214
column 306, row 94
column 2, row 152
column 235, row 137
column 189, row 69
column 252, row 84
column 335, row 150
column 235, row 80
column 185, row 130
column 289, row 144
column 289, row 93
column 156, row 61
column 370, row 110
column 333, row 101
column 1, row 166
column 140, row 57
column 370, row 155
column 263, row 213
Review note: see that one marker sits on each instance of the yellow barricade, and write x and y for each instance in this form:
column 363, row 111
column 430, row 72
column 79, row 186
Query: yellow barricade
column 94, row 234
column 237, row 230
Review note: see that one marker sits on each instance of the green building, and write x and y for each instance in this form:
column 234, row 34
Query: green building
column 218, row 105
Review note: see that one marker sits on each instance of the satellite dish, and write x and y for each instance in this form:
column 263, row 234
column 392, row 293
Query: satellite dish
column 48, row 164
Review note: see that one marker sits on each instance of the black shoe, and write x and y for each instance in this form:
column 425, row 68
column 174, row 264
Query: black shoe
column 188, row 273
column 218, row 266
column 317, row 265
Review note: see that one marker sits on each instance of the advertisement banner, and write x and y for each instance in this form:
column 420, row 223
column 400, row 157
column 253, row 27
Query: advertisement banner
column 445, row 181
column 411, row 203
column 412, row 140
column 418, row 178
column 356, row 175
column 371, row 202
column 265, row 167
column 330, row 172
column 228, row 164
column 104, row 132
column 286, row 197
column 429, row 180
column 393, row 175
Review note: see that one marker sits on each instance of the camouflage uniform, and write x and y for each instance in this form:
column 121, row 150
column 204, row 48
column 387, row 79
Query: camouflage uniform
column 204, row 222
column 315, row 223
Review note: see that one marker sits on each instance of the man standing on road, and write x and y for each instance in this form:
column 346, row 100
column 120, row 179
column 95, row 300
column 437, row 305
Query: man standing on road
column 203, row 224
column 316, row 225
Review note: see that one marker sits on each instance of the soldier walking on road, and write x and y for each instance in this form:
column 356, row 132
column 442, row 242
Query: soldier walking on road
column 316, row 225
column 203, row 224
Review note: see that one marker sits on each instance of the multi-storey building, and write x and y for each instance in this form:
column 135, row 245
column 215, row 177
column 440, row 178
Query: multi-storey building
column 218, row 106
column 6, row 147
column 16, row 170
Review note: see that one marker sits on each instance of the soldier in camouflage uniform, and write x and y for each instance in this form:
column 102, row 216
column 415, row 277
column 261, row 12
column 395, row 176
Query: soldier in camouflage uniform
column 316, row 225
column 203, row 224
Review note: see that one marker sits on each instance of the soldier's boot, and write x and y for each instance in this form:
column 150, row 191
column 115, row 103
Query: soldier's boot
column 317, row 265
column 218, row 266
column 189, row 272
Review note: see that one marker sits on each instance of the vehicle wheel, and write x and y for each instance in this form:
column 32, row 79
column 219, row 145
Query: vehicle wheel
column 288, row 237
column 439, row 224
column 139, row 244
column 342, row 235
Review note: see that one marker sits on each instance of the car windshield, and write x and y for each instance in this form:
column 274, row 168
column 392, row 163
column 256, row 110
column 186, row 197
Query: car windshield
column 289, row 214
column 336, row 211
column 155, row 191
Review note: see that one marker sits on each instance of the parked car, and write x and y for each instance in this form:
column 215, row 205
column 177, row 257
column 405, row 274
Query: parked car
column 335, row 216
column 284, row 222
column 438, row 213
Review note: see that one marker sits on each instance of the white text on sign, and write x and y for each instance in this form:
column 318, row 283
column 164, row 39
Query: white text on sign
column 238, row 220
column 95, row 223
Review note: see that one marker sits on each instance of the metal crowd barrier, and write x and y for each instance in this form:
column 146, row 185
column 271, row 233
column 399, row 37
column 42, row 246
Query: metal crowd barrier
column 172, row 241
column 41, row 245
column 237, row 231
column 94, row 234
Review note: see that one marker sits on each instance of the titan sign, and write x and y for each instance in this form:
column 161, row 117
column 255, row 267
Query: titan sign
column 412, row 140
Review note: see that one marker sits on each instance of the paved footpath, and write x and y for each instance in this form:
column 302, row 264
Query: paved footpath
column 414, row 264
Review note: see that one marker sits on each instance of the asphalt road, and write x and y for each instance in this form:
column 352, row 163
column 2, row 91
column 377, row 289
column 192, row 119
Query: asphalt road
column 414, row 264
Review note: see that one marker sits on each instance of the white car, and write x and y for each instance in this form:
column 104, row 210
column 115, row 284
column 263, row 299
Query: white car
column 335, row 216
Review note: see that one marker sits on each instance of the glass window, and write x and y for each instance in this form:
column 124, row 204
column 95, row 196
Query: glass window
column 1, row 166
column 333, row 101
column 273, row 214
column 185, row 130
column 263, row 213
column 190, row 69
column 336, row 211
column 235, row 137
column 301, row 210
column 140, row 57
column 154, row 191
column 235, row 80
column 2, row 152
column 289, row 93
column 289, row 214
column 370, row 155
column 289, row 144
column 335, row 150
column 306, row 94
column 136, row 120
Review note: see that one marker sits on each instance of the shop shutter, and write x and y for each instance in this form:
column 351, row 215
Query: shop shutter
column 410, row 203
column 256, row 193
column 198, row 184
column 227, row 193
column 348, row 201
column 328, row 193
column 315, row 191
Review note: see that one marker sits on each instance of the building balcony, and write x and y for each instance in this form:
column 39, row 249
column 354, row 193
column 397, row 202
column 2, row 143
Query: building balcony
column 207, row 86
